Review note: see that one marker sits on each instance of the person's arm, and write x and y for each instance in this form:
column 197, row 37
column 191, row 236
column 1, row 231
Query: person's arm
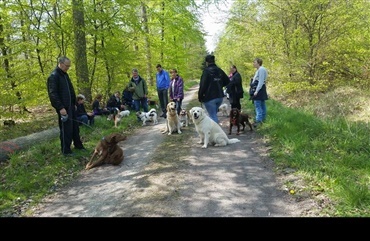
column 53, row 92
column 181, row 88
column 202, row 86
column 261, row 79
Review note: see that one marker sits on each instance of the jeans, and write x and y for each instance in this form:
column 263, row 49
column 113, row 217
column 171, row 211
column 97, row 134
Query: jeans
column 83, row 119
column 178, row 106
column 260, row 108
column 143, row 102
column 212, row 108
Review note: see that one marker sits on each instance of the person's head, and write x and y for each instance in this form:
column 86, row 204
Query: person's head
column 64, row 63
column 257, row 62
column 159, row 67
column 210, row 59
column 135, row 73
column 80, row 98
column 233, row 69
column 173, row 73
column 117, row 94
column 99, row 97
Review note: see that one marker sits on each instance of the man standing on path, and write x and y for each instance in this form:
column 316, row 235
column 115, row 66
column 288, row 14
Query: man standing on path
column 63, row 98
column 163, row 83
column 211, row 87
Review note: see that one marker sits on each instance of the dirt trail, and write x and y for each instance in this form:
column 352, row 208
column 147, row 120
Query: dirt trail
column 233, row 181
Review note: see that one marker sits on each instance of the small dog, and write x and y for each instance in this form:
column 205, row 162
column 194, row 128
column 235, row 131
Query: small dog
column 237, row 118
column 107, row 151
column 117, row 116
column 224, row 109
column 151, row 115
column 172, row 120
column 184, row 117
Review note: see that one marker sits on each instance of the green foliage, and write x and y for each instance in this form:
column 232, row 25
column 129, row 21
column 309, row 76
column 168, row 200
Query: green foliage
column 331, row 154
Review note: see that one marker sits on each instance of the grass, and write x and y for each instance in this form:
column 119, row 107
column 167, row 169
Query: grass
column 329, row 152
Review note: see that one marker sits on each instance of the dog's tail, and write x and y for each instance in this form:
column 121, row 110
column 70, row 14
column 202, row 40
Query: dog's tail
column 233, row 140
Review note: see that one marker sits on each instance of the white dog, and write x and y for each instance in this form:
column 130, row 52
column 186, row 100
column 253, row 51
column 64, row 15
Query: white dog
column 172, row 120
column 209, row 131
column 224, row 109
column 151, row 115
column 117, row 116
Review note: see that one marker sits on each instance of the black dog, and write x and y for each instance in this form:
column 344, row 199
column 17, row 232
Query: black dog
column 237, row 118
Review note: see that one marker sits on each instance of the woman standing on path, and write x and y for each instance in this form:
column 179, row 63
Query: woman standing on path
column 176, row 89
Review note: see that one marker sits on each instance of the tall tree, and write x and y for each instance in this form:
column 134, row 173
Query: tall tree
column 82, row 71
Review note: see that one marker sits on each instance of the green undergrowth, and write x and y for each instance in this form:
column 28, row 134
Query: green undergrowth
column 331, row 154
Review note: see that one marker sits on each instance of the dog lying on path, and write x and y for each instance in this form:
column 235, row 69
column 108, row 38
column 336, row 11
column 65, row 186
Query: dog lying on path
column 209, row 131
column 238, row 118
column 107, row 151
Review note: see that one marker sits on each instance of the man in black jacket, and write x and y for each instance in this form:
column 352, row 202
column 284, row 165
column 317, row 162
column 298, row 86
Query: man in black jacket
column 63, row 98
column 211, row 87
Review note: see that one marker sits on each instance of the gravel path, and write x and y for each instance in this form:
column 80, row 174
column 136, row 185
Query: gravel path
column 233, row 181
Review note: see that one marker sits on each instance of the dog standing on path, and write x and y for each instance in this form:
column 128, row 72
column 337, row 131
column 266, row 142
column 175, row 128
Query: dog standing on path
column 238, row 118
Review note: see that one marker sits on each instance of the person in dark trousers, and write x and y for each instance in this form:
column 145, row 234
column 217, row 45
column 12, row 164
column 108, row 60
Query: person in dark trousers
column 211, row 85
column 235, row 88
column 176, row 89
column 96, row 106
column 63, row 98
column 115, row 102
column 127, row 99
column 163, row 83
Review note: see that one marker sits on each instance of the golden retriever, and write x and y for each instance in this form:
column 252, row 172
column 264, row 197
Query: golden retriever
column 209, row 131
column 107, row 151
column 172, row 121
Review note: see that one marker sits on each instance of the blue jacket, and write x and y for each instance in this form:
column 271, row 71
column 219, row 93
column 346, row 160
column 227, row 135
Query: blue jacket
column 163, row 80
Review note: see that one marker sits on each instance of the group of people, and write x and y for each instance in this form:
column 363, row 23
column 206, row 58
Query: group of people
column 214, row 80
column 170, row 87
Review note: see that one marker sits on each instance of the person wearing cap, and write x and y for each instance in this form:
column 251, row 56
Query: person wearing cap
column 211, row 85
column 163, row 83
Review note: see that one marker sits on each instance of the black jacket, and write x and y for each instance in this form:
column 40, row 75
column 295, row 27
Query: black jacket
column 235, row 88
column 211, row 83
column 60, row 90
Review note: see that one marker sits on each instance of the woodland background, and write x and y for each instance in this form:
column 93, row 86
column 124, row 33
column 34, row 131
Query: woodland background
column 306, row 45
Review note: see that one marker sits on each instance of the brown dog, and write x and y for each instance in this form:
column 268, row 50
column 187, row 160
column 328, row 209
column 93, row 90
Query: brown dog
column 107, row 151
column 237, row 118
